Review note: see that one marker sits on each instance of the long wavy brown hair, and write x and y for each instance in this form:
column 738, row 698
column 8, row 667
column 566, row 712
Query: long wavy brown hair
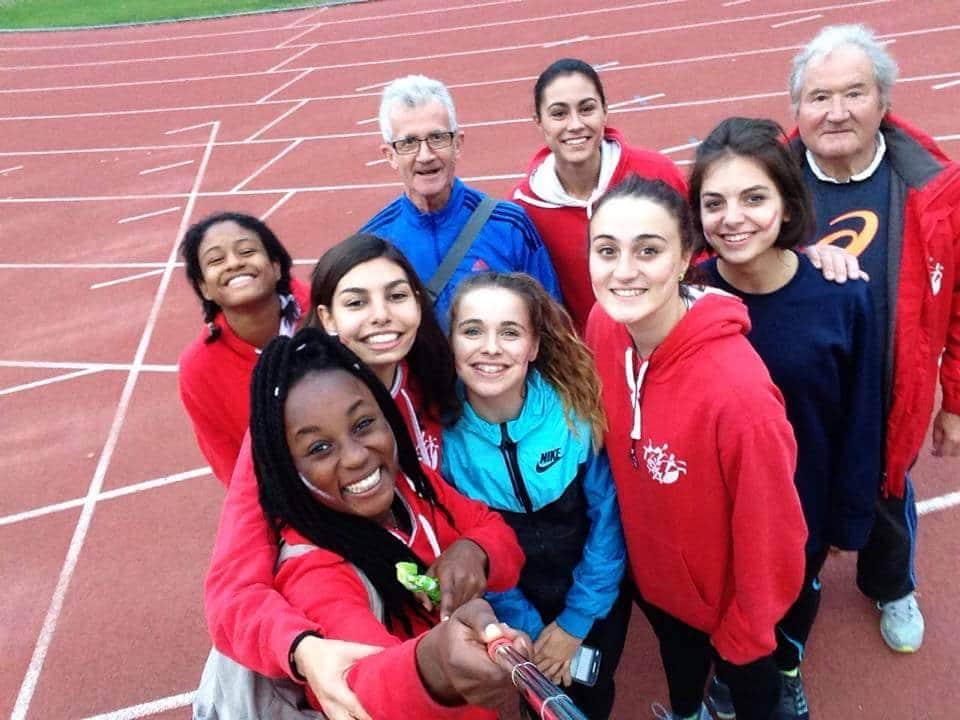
column 563, row 359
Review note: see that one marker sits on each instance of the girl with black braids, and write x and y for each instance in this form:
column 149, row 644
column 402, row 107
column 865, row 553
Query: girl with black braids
column 366, row 292
column 241, row 273
column 341, row 484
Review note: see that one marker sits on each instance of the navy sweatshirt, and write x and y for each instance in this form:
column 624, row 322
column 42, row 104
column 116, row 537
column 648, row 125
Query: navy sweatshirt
column 820, row 343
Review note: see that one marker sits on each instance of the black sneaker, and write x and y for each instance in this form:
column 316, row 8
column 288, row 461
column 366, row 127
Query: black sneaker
column 793, row 699
column 720, row 701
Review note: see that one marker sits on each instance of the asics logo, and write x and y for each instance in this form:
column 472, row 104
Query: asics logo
column 548, row 459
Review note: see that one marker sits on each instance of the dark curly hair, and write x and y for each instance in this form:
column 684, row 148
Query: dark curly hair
column 190, row 253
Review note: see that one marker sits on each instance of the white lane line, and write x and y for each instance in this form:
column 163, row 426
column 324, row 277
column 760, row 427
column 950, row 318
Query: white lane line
column 277, row 120
column 606, row 65
column 299, row 35
column 46, row 381
column 108, row 495
column 80, row 266
column 278, row 204
column 798, row 20
column 678, row 148
column 290, row 59
column 303, row 19
column 371, row 163
column 267, row 164
column 946, row 138
column 735, row 2
column 11, row 169
column 32, row 676
column 935, row 504
column 366, row 39
column 195, row 36
column 568, row 41
column 189, row 127
column 166, row 167
column 128, row 278
column 283, row 87
column 134, row 218
column 941, row 86
column 634, row 101
column 134, row 712
column 54, row 365
column 482, row 83
column 374, row 86
column 368, row 121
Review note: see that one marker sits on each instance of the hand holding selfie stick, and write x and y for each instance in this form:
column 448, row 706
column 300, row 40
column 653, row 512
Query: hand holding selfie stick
column 546, row 700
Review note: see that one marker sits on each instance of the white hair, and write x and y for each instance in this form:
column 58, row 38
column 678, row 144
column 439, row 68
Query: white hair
column 413, row 91
column 835, row 36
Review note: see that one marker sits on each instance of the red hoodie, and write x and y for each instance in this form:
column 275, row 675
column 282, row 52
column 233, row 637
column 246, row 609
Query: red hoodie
column 328, row 590
column 715, row 533
column 248, row 620
column 215, row 389
column 564, row 227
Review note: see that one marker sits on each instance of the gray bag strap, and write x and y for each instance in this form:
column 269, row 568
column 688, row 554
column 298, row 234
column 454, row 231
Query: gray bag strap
column 288, row 551
column 229, row 691
column 458, row 250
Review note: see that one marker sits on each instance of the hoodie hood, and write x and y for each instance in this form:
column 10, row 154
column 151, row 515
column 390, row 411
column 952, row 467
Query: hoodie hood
column 712, row 315
column 543, row 188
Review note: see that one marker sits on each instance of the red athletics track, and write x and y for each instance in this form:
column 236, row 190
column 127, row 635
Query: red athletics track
column 111, row 141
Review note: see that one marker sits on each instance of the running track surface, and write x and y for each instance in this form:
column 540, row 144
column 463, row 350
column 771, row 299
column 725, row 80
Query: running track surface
column 112, row 141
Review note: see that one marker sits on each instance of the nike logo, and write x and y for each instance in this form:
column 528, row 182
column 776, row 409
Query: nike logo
column 548, row 460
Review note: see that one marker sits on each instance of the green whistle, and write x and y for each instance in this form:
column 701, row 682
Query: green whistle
column 412, row 580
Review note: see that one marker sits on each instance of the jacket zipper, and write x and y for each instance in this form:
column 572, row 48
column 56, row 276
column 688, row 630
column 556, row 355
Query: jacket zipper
column 508, row 448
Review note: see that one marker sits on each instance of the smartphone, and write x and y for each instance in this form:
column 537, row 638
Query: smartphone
column 585, row 665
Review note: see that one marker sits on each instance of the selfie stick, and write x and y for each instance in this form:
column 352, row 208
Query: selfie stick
column 544, row 698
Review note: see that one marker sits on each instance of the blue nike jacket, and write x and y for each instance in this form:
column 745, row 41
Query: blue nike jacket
column 559, row 497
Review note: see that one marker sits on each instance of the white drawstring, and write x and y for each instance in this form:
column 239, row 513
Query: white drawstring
column 634, row 385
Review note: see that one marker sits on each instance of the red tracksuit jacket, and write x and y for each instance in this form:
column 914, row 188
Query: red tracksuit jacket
column 328, row 590
column 564, row 228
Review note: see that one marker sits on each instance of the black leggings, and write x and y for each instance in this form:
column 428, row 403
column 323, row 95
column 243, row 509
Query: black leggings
column 794, row 629
column 687, row 656
column 608, row 636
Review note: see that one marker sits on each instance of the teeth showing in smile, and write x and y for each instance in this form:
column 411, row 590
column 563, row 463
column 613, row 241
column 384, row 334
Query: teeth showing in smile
column 362, row 486
column 575, row 141
column 382, row 338
column 739, row 237
column 239, row 280
column 627, row 292
column 489, row 369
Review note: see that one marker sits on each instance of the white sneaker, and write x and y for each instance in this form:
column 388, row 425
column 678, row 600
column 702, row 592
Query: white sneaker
column 901, row 624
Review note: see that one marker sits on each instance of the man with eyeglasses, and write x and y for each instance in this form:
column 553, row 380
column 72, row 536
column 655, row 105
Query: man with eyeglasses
column 422, row 143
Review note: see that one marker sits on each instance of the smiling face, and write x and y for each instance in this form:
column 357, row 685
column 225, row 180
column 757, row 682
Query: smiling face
column 572, row 117
column 375, row 313
column 493, row 345
column 840, row 111
column 636, row 260
column 341, row 444
column 236, row 270
column 427, row 175
column 741, row 209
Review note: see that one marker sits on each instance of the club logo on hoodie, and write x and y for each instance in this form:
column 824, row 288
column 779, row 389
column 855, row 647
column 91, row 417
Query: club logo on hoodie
column 663, row 466
column 936, row 276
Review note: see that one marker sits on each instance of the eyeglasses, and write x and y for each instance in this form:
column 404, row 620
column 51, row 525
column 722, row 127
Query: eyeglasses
column 434, row 141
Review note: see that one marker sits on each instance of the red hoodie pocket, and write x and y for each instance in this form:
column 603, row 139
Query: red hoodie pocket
column 663, row 579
